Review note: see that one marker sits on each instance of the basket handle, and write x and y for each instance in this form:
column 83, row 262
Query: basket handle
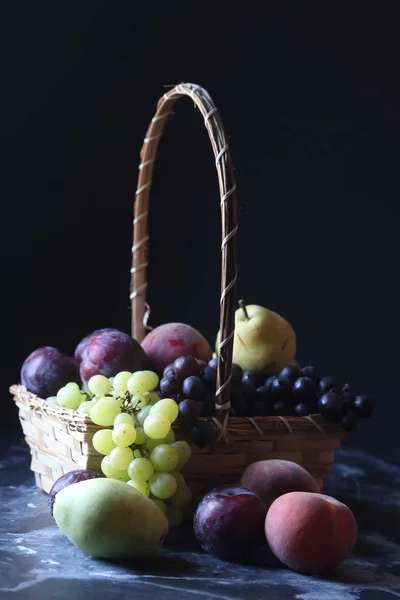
column 227, row 189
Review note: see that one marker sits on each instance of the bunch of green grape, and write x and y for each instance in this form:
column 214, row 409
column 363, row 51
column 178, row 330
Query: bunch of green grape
column 140, row 449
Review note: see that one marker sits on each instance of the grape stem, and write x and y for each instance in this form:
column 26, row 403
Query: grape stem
column 242, row 305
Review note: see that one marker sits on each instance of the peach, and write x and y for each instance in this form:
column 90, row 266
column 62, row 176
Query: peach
column 272, row 478
column 167, row 342
column 310, row 532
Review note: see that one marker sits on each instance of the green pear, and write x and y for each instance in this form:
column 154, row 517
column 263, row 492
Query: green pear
column 110, row 519
column 263, row 340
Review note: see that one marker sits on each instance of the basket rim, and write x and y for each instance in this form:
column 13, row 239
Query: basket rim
column 294, row 425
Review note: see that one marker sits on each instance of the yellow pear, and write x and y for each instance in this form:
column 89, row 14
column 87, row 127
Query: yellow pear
column 263, row 341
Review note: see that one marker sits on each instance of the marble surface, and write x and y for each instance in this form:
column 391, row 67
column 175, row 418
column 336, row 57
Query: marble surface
column 38, row 562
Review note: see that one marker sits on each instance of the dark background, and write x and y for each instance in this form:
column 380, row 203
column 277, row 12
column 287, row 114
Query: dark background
column 309, row 94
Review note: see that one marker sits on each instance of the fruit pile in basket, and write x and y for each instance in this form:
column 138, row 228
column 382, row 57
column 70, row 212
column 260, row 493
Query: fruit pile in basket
column 266, row 380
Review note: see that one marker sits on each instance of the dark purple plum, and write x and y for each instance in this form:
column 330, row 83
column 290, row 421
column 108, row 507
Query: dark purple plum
column 289, row 374
column 189, row 411
column 170, row 384
column 46, row 370
column 111, row 352
column 66, row 480
column 229, row 522
column 80, row 350
column 185, row 366
column 193, row 388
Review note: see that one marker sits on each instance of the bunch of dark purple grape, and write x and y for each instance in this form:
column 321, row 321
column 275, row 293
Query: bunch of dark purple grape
column 294, row 392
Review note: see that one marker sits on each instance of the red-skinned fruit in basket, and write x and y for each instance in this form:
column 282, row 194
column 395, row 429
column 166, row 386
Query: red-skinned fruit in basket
column 229, row 522
column 272, row 478
column 310, row 532
column 111, row 352
column 66, row 480
column 80, row 351
column 47, row 369
column 164, row 344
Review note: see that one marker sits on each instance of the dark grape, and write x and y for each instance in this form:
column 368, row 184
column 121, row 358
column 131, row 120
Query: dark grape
column 66, row 480
column 202, row 364
column 111, row 352
column 260, row 409
column 301, row 409
column 263, row 394
column 326, row 384
column 248, row 390
column 46, row 370
column 289, row 374
column 193, row 388
column 270, row 381
column 189, row 411
column 282, row 409
column 304, row 390
column 237, row 373
column 208, row 404
column 281, row 390
column 364, row 405
column 348, row 400
column 168, row 369
column 80, row 351
column 349, row 421
column 201, row 434
column 171, row 384
column 213, row 363
column 330, row 405
column 310, row 372
column 254, row 378
column 209, row 376
column 185, row 366
column 240, row 406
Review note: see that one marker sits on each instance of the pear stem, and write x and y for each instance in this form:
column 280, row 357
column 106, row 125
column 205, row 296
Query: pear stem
column 242, row 305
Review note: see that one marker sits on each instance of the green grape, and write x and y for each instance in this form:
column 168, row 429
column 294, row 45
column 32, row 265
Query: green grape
column 160, row 503
column 120, row 458
column 99, row 385
column 164, row 458
column 141, row 437
column 166, row 408
column 184, row 452
column 85, row 407
column 142, row 381
column 137, row 453
column 121, row 380
column 72, row 384
column 140, row 469
column 174, row 516
column 182, row 496
column 124, row 418
column 124, row 435
column 111, row 380
column 140, row 486
column 170, row 437
column 102, row 441
column 139, row 401
column 156, row 426
column 153, row 398
column 180, row 480
column 69, row 397
column 143, row 414
column 52, row 400
column 163, row 485
column 112, row 472
column 104, row 411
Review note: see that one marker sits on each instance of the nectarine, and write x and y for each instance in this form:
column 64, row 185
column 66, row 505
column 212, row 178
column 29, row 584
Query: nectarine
column 272, row 478
column 310, row 532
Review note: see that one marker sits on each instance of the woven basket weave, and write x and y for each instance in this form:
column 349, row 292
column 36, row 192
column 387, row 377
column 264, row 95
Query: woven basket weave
column 60, row 439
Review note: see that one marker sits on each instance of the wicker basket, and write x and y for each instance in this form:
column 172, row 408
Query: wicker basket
column 60, row 439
